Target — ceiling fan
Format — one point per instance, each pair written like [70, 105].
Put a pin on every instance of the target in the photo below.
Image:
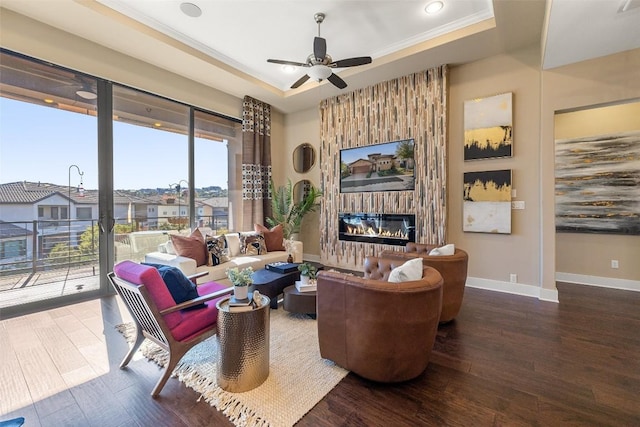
[320, 64]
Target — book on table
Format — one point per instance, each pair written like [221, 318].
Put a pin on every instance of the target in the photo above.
[245, 302]
[240, 308]
[282, 267]
[311, 287]
[236, 305]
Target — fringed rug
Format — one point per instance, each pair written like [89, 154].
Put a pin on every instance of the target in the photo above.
[298, 377]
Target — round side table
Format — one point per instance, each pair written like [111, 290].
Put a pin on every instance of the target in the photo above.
[243, 347]
[299, 302]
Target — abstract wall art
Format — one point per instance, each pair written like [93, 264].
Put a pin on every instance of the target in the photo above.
[598, 183]
[487, 202]
[488, 127]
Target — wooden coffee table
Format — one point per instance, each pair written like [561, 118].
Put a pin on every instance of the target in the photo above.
[299, 302]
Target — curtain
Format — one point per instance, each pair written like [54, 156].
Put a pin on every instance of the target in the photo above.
[256, 162]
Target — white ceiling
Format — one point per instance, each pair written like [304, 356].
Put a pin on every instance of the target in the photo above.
[245, 34]
[228, 45]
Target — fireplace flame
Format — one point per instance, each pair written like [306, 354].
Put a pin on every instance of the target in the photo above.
[370, 231]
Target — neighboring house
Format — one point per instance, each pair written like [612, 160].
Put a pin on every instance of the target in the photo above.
[15, 243]
[59, 214]
[376, 162]
[382, 162]
[215, 212]
[138, 211]
[361, 166]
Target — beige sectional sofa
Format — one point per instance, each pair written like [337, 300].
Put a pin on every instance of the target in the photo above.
[217, 273]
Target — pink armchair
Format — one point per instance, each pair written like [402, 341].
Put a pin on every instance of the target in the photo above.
[157, 316]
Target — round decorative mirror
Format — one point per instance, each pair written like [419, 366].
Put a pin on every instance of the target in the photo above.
[304, 157]
[300, 190]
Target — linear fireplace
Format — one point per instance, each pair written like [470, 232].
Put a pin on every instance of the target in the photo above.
[384, 229]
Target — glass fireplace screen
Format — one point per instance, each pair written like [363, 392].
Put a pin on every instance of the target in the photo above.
[385, 229]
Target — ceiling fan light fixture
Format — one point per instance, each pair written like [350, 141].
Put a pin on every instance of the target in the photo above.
[434, 7]
[319, 72]
[86, 94]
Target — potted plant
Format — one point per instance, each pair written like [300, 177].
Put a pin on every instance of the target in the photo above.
[287, 211]
[307, 272]
[241, 279]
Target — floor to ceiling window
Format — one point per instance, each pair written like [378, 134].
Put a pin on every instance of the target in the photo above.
[150, 171]
[170, 172]
[48, 182]
[217, 145]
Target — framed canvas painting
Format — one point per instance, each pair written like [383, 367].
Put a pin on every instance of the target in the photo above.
[598, 170]
[488, 127]
[487, 202]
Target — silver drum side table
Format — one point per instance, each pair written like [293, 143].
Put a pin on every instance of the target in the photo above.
[243, 347]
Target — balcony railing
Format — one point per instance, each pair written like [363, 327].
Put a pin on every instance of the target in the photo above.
[53, 251]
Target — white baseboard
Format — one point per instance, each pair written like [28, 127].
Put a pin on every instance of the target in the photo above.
[604, 282]
[543, 294]
[550, 295]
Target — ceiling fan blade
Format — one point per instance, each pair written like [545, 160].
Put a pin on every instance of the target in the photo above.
[351, 62]
[300, 81]
[319, 48]
[283, 62]
[337, 81]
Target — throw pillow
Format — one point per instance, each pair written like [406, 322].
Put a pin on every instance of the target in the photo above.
[449, 249]
[191, 247]
[233, 243]
[410, 270]
[252, 244]
[216, 250]
[180, 287]
[273, 238]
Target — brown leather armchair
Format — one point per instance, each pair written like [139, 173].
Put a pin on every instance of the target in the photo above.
[453, 269]
[379, 330]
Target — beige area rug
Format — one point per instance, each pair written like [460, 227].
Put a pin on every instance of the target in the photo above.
[298, 377]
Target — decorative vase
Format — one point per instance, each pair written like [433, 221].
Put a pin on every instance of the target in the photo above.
[290, 259]
[304, 279]
[240, 292]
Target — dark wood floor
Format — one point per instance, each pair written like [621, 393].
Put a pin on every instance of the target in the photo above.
[506, 360]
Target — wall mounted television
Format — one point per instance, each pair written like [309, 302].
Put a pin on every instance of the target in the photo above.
[389, 166]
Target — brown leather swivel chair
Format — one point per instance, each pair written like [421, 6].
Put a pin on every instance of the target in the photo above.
[453, 269]
[379, 330]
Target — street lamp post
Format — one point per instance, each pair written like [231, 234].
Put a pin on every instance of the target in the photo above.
[81, 191]
[178, 188]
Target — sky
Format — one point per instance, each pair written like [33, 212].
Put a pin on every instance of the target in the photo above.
[41, 144]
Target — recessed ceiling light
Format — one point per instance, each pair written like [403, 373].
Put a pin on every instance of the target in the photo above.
[434, 7]
[48, 101]
[288, 69]
[190, 9]
[157, 124]
[86, 94]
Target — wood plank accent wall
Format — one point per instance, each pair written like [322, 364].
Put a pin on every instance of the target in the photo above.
[413, 106]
